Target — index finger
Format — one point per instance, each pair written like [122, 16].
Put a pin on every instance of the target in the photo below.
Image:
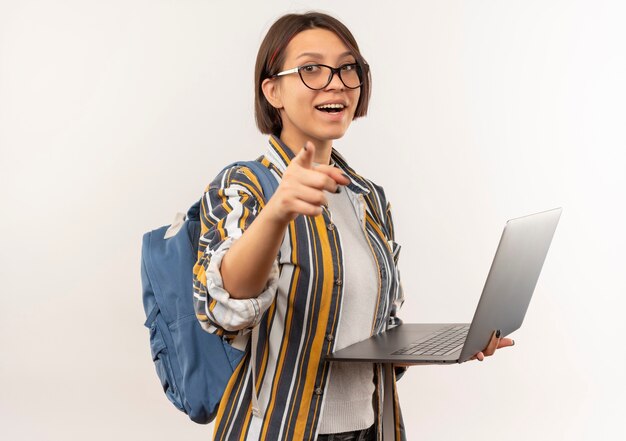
[304, 158]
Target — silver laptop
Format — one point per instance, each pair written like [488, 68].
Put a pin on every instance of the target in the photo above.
[510, 284]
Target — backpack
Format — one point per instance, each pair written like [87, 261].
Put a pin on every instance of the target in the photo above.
[193, 365]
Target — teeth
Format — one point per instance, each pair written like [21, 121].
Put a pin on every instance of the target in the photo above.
[331, 106]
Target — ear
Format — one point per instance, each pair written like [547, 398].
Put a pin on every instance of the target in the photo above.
[271, 90]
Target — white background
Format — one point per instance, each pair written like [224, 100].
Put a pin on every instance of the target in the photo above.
[115, 115]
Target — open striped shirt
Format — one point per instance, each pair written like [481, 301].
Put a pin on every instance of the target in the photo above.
[298, 311]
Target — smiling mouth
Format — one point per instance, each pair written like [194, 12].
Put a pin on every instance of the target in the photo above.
[331, 108]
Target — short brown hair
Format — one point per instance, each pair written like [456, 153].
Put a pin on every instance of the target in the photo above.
[271, 57]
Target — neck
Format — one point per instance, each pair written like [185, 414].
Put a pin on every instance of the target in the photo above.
[323, 148]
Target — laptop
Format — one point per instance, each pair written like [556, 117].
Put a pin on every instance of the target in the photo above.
[505, 298]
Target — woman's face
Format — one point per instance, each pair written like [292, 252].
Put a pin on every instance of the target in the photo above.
[299, 106]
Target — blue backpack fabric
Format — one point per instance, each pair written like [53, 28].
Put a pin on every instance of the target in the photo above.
[193, 365]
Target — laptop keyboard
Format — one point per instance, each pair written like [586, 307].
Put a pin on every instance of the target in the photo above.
[441, 342]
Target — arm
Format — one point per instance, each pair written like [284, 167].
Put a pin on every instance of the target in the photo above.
[229, 207]
[301, 191]
[258, 249]
[236, 276]
[394, 320]
[395, 252]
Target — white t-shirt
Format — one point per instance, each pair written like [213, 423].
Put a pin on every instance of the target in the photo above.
[348, 403]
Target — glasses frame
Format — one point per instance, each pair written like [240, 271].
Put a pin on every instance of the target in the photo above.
[333, 71]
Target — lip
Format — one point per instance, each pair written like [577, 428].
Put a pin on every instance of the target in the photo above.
[336, 116]
[333, 117]
[345, 104]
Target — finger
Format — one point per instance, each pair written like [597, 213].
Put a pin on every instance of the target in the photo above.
[334, 173]
[478, 356]
[505, 342]
[305, 156]
[311, 196]
[317, 180]
[302, 207]
[493, 343]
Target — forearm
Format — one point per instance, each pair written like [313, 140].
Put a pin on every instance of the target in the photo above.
[247, 264]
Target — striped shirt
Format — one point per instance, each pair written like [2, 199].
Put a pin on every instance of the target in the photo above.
[299, 309]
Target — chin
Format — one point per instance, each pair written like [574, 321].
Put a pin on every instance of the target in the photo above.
[334, 134]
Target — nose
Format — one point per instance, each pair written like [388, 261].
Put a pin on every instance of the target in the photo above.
[335, 82]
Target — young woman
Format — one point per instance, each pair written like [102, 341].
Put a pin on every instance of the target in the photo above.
[315, 267]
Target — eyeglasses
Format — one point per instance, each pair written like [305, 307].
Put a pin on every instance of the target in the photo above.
[318, 76]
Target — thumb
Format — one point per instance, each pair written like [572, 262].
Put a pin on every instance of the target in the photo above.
[305, 155]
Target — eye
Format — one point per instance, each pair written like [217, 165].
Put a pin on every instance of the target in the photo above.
[348, 67]
[310, 68]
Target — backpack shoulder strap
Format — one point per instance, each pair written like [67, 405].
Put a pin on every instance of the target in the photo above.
[268, 182]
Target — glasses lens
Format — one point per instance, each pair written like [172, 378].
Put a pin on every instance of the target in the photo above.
[317, 77]
[351, 75]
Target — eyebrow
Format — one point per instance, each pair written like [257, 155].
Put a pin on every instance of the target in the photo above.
[318, 55]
